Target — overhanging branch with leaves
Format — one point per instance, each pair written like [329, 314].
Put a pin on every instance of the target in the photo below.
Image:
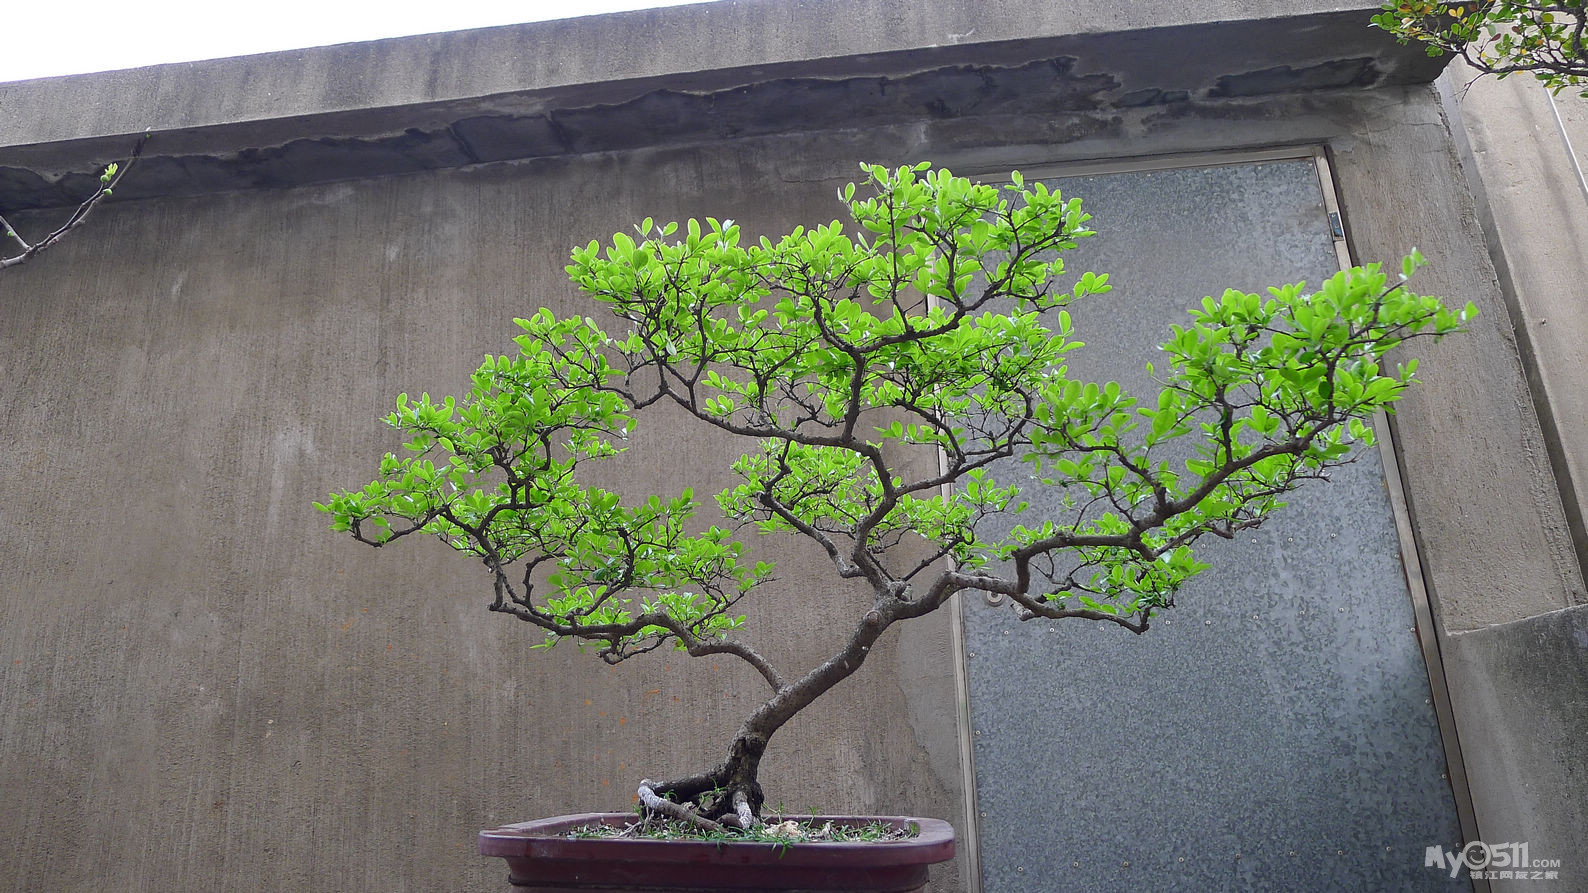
[1500, 37]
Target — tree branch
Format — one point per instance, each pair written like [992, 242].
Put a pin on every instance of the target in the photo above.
[107, 184]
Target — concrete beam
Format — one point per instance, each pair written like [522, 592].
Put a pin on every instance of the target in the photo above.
[706, 73]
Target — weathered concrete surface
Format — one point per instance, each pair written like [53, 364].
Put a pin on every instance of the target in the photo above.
[415, 104]
[1521, 689]
[205, 690]
[1534, 212]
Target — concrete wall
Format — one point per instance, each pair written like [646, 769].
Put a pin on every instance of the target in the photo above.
[1516, 144]
[201, 689]
[238, 700]
[1518, 685]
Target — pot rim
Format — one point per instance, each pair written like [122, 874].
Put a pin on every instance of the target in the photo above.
[546, 839]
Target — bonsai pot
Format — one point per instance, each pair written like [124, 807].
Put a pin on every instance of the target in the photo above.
[542, 858]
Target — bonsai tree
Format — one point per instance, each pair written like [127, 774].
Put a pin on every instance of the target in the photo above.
[889, 377]
[1500, 37]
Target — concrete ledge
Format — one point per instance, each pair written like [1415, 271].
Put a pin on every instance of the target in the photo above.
[580, 86]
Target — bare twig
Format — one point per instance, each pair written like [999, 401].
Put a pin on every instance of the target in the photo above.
[107, 184]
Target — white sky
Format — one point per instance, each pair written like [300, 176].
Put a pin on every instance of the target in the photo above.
[44, 39]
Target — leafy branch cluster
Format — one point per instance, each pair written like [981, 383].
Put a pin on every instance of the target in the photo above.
[627, 577]
[1500, 37]
[886, 372]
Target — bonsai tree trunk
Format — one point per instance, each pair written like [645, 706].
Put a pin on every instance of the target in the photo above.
[733, 787]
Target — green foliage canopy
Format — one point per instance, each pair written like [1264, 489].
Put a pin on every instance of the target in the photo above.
[1500, 37]
[932, 322]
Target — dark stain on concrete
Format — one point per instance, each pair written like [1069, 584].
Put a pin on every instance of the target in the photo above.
[1077, 103]
[664, 116]
[506, 137]
[329, 158]
[1334, 75]
[1151, 96]
[22, 189]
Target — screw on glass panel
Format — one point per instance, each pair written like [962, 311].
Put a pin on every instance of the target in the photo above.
[1075, 865]
[1182, 859]
[993, 598]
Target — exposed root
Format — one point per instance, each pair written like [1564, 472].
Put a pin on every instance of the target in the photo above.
[776, 830]
[741, 807]
[666, 807]
[712, 806]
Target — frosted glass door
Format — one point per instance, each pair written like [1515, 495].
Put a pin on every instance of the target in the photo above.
[1274, 731]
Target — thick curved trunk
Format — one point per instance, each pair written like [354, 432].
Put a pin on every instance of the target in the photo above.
[716, 794]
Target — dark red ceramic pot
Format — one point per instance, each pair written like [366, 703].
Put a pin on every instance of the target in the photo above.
[541, 858]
